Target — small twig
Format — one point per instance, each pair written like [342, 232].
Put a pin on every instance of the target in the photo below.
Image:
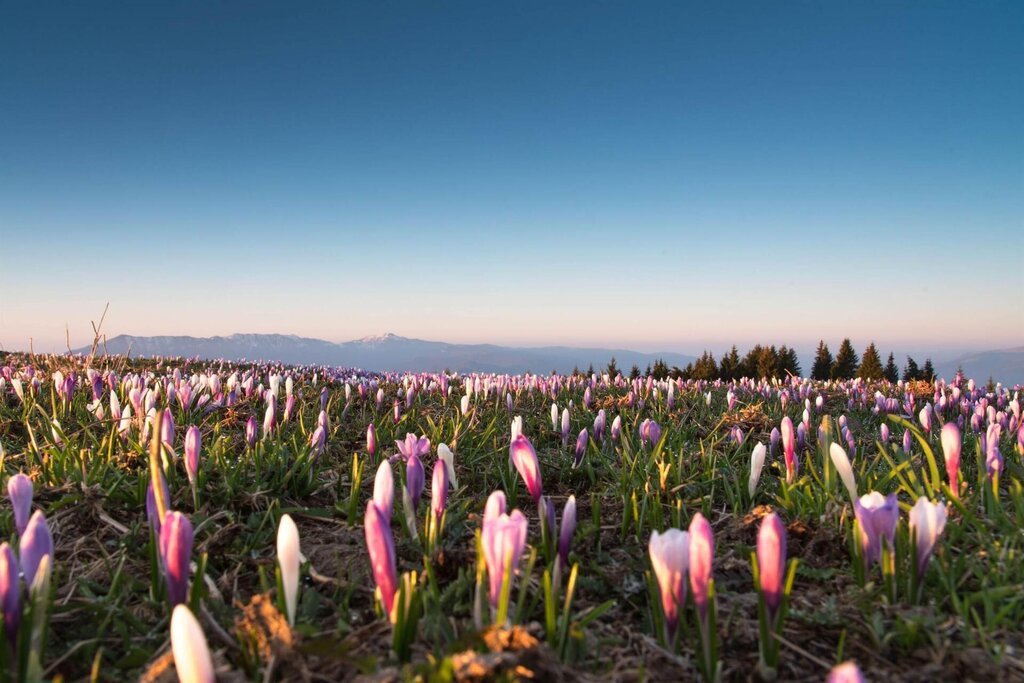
[805, 653]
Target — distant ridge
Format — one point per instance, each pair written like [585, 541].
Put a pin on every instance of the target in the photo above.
[387, 352]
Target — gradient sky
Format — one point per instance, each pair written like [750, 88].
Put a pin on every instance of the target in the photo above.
[656, 175]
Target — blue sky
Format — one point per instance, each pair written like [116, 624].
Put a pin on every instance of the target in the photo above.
[658, 175]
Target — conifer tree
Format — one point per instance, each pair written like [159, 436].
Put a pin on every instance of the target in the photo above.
[911, 373]
[871, 364]
[790, 362]
[822, 362]
[928, 371]
[845, 365]
[891, 372]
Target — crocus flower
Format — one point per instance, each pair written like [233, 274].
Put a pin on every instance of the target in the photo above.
[927, 520]
[756, 463]
[517, 427]
[599, 424]
[381, 546]
[384, 490]
[650, 433]
[371, 439]
[445, 455]
[525, 460]
[907, 441]
[877, 516]
[413, 446]
[951, 446]
[702, 554]
[438, 489]
[250, 431]
[464, 405]
[554, 417]
[35, 544]
[883, 432]
[19, 489]
[670, 560]
[318, 440]
[925, 417]
[415, 479]
[10, 592]
[616, 427]
[789, 450]
[495, 506]
[188, 645]
[847, 672]
[193, 443]
[270, 418]
[565, 531]
[993, 457]
[581, 447]
[843, 467]
[774, 441]
[176, 551]
[565, 426]
[504, 538]
[771, 561]
[288, 560]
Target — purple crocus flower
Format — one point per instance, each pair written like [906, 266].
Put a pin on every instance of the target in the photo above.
[884, 433]
[907, 440]
[19, 488]
[599, 424]
[415, 479]
[993, 456]
[384, 490]
[176, 538]
[565, 531]
[10, 592]
[616, 427]
[877, 516]
[650, 433]
[670, 560]
[438, 489]
[250, 431]
[581, 447]
[35, 544]
[847, 672]
[774, 441]
[413, 446]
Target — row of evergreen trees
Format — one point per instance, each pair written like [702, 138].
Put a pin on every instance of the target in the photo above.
[846, 365]
[781, 362]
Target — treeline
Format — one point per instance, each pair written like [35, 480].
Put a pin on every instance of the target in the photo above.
[782, 362]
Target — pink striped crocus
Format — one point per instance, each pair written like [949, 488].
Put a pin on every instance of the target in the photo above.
[504, 539]
[380, 545]
[952, 443]
[193, 443]
[176, 539]
[702, 555]
[524, 457]
[771, 561]
[789, 449]
[670, 560]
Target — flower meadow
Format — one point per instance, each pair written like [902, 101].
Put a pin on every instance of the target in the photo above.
[176, 519]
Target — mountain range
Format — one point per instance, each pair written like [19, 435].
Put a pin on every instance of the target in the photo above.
[387, 352]
[392, 352]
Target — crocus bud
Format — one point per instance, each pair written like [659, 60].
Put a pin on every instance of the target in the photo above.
[565, 531]
[464, 406]
[250, 432]
[10, 592]
[176, 551]
[581, 447]
[771, 560]
[844, 468]
[847, 672]
[993, 456]
[384, 490]
[19, 489]
[670, 560]
[445, 455]
[524, 457]
[756, 463]
[774, 440]
[438, 489]
[927, 520]
[907, 440]
[554, 417]
[951, 446]
[188, 645]
[789, 450]
[616, 427]
[193, 441]
[371, 439]
[415, 479]
[495, 505]
[380, 545]
[884, 433]
[503, 538]
[35, 544]
[702, 554]
[288, 561]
